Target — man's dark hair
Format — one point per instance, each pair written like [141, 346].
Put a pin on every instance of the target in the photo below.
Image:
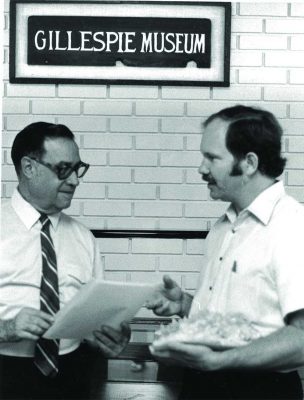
[30, 141]
[253, 130]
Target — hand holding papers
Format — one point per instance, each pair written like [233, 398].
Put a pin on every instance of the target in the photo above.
[99, 303]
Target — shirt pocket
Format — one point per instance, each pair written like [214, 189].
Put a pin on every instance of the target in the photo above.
[75, 277]
[244, 289]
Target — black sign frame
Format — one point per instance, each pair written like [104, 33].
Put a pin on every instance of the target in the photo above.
[49, 73]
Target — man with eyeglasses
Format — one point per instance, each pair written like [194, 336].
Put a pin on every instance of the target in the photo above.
[48, 166]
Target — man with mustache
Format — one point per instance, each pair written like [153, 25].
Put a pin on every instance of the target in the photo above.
[43, 247]
[254, 267]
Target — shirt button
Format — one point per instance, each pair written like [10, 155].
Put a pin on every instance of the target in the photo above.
[221, 258]
[233, 230]
[210, 287]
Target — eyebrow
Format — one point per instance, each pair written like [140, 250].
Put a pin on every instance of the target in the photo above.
[208, 154]
[67, 163]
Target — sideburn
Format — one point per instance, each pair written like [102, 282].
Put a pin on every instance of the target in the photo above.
[236, 168]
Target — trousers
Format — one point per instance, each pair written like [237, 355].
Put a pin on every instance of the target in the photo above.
[242, 385]
[78, 372]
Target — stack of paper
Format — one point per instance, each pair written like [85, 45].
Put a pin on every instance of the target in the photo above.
[99, 303]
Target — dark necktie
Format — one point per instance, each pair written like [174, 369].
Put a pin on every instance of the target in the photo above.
[46, 351]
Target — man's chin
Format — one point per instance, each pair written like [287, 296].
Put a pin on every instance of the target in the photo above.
[214, 194]
[63, 204]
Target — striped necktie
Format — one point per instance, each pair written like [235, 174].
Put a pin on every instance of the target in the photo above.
[46, 350]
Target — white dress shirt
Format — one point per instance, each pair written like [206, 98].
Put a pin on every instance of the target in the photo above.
[256, 262]
[78, 261]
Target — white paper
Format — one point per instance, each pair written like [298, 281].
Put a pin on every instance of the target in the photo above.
[99, 303]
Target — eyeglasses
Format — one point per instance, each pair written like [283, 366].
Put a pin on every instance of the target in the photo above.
[64, 170]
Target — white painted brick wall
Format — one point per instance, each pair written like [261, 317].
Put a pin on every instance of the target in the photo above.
[181, 125]
[106, 208]
[284, 59]
[193, 176]
[132, 262]
[296, 192]
[188, 263]
[275, 93]
[84, 124]
[133, 92]
[297, 110]
[119, 246]
[293, 126]
[182, 223]
[131, 191]
[143, 141]
[195, 246]
[237, 93]
[297, 9]
[210, 208]
[89, 190]
[105, 107]
[295, 161]
[263, 41]
[158, 209]
[193, 141]
[157, 246]
[56, 107]
[8, 173]
[94, 157]
[296, 178]
[263, 75]
[190, 281]
[173, 92]
[246, 58]
[119, 124]
[297, 42]
[286, 25]
[17, 122]
[180, 159]
[16, 106]
[107, 141]
[297, 76]
[133, 158]
[158, 175]
[28, 91]
[296, 144]
[240, 25]
[159, 142]
[263, 9]
[132, 223]
[183, 192]
[75, 208]
[108, 174]
[163, 108]
[82, 91]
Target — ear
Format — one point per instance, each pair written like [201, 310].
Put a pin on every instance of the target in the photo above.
[251, 163]
[27, 167]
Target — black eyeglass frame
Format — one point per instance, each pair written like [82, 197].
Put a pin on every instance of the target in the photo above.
[64, 172]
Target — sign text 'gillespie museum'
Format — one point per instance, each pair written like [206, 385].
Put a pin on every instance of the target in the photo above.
[149, 42]
[129, 42]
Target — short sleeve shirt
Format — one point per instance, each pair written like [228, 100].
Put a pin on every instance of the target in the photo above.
[255, 263]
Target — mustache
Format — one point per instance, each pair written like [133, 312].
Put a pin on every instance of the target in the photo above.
[208, 178]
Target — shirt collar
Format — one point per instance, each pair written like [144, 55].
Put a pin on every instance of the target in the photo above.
[263, 205]
[28, 214]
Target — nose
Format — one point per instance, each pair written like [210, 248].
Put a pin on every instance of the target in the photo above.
[203, 168]
[73, 179]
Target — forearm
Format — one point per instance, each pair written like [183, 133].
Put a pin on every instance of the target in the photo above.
[186, 302]
[7, 330]
[281, 350]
